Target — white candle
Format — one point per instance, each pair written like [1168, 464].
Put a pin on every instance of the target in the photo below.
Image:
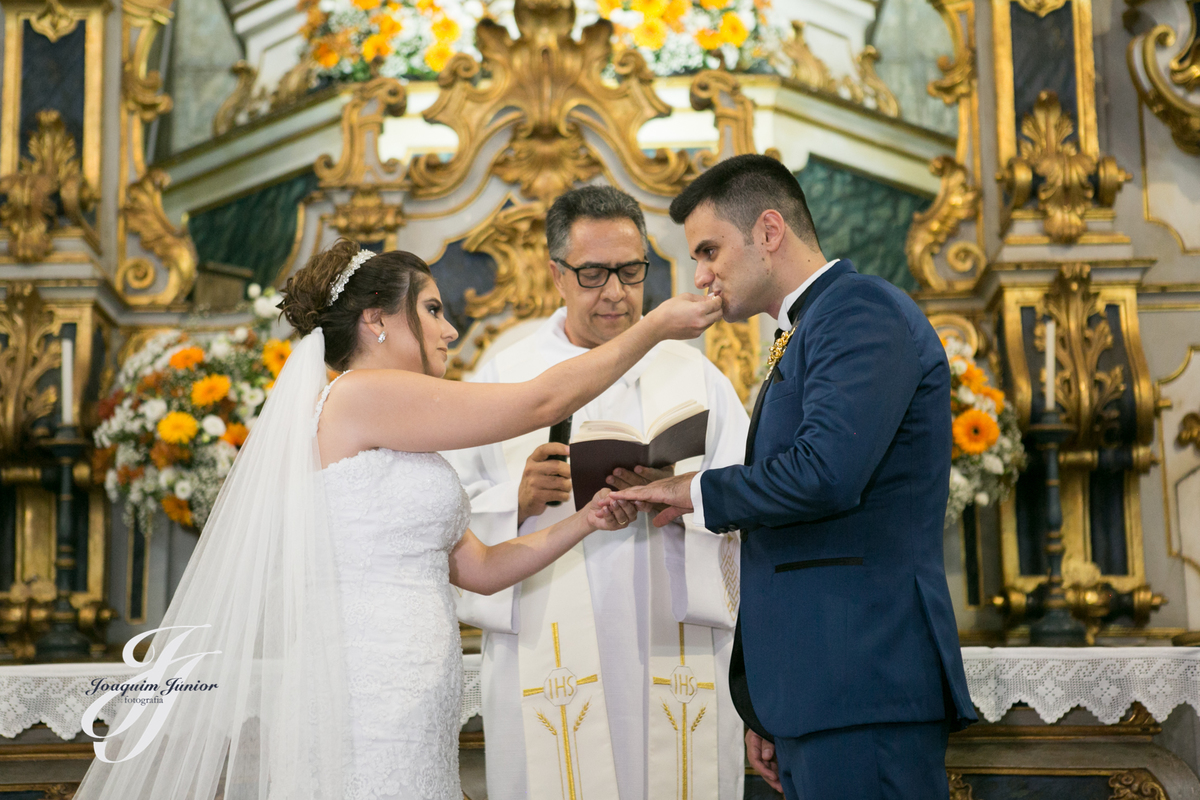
[68, 382]
[1051, 351]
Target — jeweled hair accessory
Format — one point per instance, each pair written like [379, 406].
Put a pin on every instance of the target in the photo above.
[359, 259]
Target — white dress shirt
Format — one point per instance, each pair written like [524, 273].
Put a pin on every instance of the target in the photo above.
[784, 324]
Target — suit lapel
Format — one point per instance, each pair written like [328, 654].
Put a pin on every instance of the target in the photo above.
[795, 314]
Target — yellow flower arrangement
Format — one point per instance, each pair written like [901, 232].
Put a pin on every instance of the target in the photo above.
[438, 55]
[652, 33]
[986, 452]
[179, 412]
[733, 31]
[210, 389]
[178, 427]
[275, 353]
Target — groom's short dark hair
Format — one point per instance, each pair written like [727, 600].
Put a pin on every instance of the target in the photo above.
[742, 188]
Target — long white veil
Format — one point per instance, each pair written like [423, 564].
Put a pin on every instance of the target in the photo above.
[263, 579]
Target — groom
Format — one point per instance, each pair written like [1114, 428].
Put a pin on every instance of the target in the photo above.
[846, 664]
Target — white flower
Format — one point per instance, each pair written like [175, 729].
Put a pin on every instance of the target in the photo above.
[992, 464]
[240, 333]
[154, 409]
[127, 455]
[982, 499]
[110, 484]
[252, 398]
[958, 366]
[183, 488]
[253, 291]
[966, 396]
[167, 477]
[958, 481]
[249, 422]
[220, 347]
[224, 453]
[267, 307]
[213, 425]
[135, 493]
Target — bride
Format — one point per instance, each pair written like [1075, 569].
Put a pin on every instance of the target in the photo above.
[318, 605]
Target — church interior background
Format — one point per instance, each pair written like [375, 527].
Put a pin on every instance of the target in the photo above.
[165, 166]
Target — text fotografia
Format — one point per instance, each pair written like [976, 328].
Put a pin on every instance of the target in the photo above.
[171, 685]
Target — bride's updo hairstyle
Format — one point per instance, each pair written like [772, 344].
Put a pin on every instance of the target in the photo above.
[389, 281]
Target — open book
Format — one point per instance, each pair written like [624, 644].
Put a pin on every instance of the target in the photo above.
[601, 446]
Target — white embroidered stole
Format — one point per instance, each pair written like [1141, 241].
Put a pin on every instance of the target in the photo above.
[568, 745]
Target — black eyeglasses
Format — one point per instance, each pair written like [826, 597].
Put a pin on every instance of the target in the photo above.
[594, 277]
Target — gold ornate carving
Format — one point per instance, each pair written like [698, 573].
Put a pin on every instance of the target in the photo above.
[365, 217]
[1086, 394]
[515, 237]
[958, 73]
[54, 21]
[720, 92]
[1136, 784]
[140, 209]
[30, 210]
[959, 788]
[1189, 430]
[734, 348]
[242, 99]
[811, 72]
[1066, 192]
[1181, 116]
[807, 69]
[1042, 7]
[145, 218]
[872, 85]
[29, 354]
[294, 85]
[957, 200]
[362, 123]
[547, 88]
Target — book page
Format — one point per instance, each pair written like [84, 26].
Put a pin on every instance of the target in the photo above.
[671, 416]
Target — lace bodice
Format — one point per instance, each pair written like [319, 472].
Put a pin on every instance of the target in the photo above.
[395, 517]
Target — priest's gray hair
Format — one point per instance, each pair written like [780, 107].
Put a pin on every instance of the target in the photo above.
[590, 202]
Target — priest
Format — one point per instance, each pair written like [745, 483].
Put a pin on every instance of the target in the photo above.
[606, 675]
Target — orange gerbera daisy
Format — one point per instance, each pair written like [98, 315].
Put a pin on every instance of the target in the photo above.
[178, 427]
[275, 353]
[651, 34]
[235, 434]
[445, 29]
[975, 431]
[210, 389]
[708, 40]
[375, 46]
[187, 358]
[974, 378]
[996, 395]
[437, 55]
[388, 25]
[733, 30]
[177, 509]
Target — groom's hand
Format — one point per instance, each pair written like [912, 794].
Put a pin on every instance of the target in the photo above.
[674, 493]
[762, 757]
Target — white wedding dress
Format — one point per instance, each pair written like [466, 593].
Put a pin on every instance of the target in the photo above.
[394, 518]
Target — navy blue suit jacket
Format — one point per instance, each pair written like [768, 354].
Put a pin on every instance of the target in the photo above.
[845, 614]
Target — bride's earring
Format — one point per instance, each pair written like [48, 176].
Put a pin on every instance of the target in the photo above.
[382, 336]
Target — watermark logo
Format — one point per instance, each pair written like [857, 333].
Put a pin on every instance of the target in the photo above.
[152, 691]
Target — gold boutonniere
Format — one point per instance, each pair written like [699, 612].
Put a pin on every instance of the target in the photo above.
[777, 349]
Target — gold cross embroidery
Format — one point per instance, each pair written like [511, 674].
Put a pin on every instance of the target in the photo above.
[559, 690]
[684, 686]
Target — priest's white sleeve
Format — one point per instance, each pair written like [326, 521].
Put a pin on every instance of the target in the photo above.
[703, 566]
[493, 497]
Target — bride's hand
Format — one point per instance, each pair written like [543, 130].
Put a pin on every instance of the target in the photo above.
[685, 316]
[613, 516]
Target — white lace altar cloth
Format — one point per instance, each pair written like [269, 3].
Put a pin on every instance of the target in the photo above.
[56, 694]
[1104, 680]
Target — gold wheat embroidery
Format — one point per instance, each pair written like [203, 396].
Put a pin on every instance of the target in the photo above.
[582, 713]
[546, 722]
[699, 717]
[670, 716]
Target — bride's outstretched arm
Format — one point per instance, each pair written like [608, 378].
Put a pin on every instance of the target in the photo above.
[403, 410]
[476, 567]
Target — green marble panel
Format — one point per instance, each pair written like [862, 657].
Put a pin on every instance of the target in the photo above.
[256, 230]
[862, 219]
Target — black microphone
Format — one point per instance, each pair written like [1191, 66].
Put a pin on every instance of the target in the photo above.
[560, 433]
